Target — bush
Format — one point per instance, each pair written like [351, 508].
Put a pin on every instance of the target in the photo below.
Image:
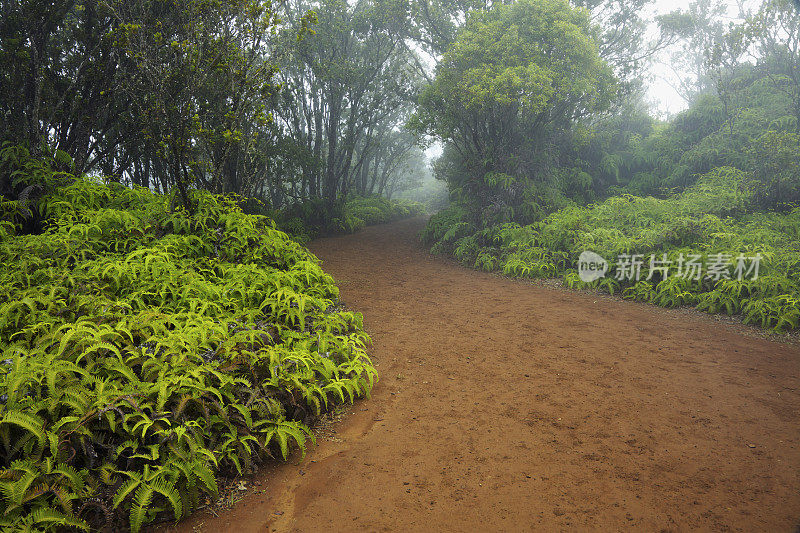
[711, 216]
[313, 218]
[776, 170]
[380, 210]
[443, 223]
[147, 351]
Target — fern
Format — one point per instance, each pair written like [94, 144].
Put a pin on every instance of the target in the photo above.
[143, 361]
[47, 517]
[707, 215]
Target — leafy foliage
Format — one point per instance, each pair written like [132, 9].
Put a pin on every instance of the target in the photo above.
[712, 216]
[380, 210]
[511, 86]
[312, 218]
[145, 351]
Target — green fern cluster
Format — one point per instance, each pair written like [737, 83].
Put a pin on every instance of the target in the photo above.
[380, 210]
[147, 350]
[314, 217]
[444, 226]
[708, 218]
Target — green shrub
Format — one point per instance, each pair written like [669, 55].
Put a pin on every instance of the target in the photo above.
[316, 217]
[709, 217]
[442, 222]
[146, 351]
[380, 210]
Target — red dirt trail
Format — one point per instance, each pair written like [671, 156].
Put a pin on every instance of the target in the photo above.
[508, 406]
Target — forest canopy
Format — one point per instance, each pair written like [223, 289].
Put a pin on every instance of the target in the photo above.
[281, 102]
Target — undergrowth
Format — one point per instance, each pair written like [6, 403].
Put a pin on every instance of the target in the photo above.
[313, 218]
[714, 216]
[146, 351]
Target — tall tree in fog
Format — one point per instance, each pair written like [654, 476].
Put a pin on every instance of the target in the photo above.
[346, 88]
[517, 77]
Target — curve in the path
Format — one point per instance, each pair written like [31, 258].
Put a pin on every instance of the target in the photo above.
[508, 406]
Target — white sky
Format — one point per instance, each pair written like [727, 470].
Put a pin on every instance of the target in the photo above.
[664, 99]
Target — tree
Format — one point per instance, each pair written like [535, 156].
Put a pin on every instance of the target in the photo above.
[621, 33]
[345, 88]
[517, 77]
[700, 27]
[161, 94]
[776, 32]
[57, 66]
[434, 24]
[723, 63]
[195, 71]
[775, 161]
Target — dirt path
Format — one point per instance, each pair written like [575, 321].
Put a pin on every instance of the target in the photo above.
[507, 406]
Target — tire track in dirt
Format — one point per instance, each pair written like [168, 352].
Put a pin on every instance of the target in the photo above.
[504, 405]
